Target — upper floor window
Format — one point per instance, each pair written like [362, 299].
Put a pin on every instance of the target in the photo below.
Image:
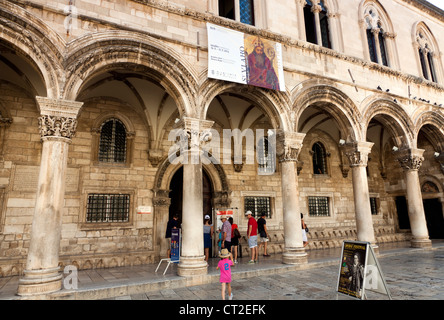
[112, 145]
[426, 54]
[239, 10]
[378, 33]
[317, 28]
[375, 37]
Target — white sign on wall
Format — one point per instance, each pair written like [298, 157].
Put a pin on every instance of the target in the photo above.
[248, 59]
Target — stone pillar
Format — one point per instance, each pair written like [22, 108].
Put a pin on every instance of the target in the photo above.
[161, 203]
[289, 145]
[192, 259]
[316, 9]
[357, 154]
[57, 126]
[411, 160]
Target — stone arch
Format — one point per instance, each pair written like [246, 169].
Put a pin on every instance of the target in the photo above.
[336, 103]
[392, 116]
[36, 42]
[273, 103]
[432, 123]
[109, 50]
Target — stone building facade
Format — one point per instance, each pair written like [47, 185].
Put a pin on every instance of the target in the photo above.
[90, 91]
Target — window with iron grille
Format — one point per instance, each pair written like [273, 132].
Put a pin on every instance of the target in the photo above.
[108, 207]
[374, 205]
[258, 205]
[112, 147]
[266, 156]
[318, 207]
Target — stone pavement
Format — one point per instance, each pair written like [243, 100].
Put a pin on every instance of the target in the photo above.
[411, 274]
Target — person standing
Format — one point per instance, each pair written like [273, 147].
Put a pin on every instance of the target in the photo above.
[226, 233]
[252, 236]
[235, 235]
[263, 233]
[304, 231]
[208, 235]
[224, 266]
[172, 224]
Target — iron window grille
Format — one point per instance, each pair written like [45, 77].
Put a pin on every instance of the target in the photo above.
[112, 147]
[258, 205]
[108, 207]
[318, 207]
[374, 205]
[266, 156]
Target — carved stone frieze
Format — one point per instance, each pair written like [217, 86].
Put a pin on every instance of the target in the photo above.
[357, 153]
[410, 159]
[288, 145]
[52, 126]
[58, 117]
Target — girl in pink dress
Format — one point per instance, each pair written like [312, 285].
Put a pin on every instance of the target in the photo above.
[224, 266]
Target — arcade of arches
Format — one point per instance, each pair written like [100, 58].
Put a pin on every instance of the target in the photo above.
[85, 137]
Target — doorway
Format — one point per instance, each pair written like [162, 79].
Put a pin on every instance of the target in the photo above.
[176, 195]
[434, 216]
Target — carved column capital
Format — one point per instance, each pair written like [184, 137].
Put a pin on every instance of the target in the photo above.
[58, 118]
[288, 145]
[410, 159]
[357, 153]
[196, 131]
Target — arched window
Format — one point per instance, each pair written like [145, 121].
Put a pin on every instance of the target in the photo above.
[112, 145]
[426, 53]
[241, 10]
[319, 158]
[317, 29]
[375, 37]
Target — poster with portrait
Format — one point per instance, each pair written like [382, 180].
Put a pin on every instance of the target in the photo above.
[352, 268]
[248, 59]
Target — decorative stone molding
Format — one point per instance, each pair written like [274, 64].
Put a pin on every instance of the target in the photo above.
[357, 153]
[288, 145]
[58, 117]
[410, 159]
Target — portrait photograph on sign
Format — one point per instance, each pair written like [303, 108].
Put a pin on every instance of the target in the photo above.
[264, 63]
[242, 58]
[352, 269]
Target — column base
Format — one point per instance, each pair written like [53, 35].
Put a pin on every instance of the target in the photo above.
[421, 243]
[192, 266]
[37, 282]
[294, 256]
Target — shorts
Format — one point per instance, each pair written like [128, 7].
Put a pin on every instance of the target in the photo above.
[252, 241]
[264, 239]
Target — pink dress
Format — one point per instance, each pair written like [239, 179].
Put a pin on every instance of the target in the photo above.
[225, 270]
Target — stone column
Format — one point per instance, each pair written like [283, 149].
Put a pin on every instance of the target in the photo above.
[57, 126]
[411, 160]
[316, 9]
[289, 145]
[192, 259]
[161, 203]
[357, 154]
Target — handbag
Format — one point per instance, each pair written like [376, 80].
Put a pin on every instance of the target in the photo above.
[306, 228]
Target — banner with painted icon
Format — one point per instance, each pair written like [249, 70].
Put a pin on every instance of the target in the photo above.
[242, 58]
